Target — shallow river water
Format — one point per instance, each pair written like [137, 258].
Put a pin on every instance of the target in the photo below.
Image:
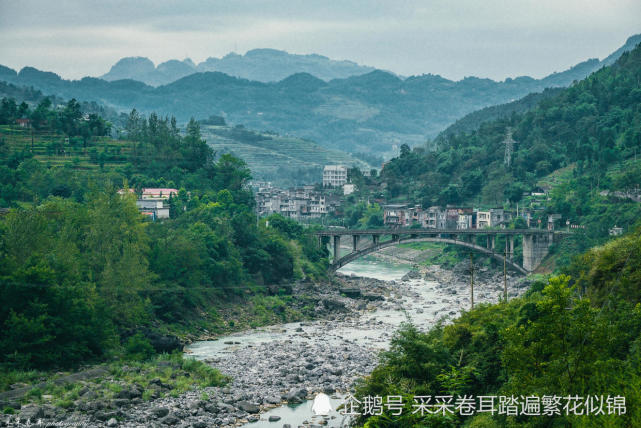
[421, 301]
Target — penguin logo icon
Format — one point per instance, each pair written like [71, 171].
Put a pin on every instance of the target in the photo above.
[321, 405]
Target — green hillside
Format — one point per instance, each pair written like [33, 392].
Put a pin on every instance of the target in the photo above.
[283, 160]
[580, 145]
[374, 112]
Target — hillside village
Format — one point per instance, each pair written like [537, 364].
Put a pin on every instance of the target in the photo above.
[326, 200]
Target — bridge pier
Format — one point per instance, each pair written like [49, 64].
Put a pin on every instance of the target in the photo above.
[337, 247]
[375, 239]
[535, 248]
[355, 239]
[511, 249]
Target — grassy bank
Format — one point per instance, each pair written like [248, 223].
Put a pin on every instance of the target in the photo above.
[129, 378]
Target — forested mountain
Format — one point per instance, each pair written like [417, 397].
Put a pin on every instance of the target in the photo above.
[572, 335]
[261, 65]
[592, 131]
[375, 112]
[472, 121]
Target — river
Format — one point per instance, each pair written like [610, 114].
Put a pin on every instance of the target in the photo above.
[294, 362]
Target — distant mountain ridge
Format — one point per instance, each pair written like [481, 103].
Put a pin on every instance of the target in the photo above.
[371, 113]
[261, 65]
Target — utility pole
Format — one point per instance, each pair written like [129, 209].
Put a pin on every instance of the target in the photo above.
[471, 280]
[505, 273]
[509, 147]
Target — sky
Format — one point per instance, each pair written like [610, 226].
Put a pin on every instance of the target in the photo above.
[453, 38]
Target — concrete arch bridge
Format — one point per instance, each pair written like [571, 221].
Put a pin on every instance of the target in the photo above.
[536, 243]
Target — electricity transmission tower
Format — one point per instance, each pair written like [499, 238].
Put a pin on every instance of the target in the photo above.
[509, 147]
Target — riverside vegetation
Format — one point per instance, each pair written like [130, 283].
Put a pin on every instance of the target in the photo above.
[84, 279]
[574, 333]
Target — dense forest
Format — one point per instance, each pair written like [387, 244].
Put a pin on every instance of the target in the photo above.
[81, 271]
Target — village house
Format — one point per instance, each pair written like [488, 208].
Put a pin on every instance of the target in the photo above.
[334, 175]
[158, 193]
[153, 201]
[433, 218]
[490, 218]
[296, 203]
[154, 208]
[395, 215]
[24, 122]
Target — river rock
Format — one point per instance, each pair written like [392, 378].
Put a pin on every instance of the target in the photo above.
[112, 422]
[170, 420]
[274, 418]
[413, 274]
[351, 292]
[32, 412]
[160, 412]
[248, 407]
[296, 395]
[271, 399]
[163, 343]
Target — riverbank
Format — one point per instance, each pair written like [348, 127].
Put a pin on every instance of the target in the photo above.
[291, 362]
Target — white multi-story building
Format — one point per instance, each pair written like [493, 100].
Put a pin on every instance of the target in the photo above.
[334, 175]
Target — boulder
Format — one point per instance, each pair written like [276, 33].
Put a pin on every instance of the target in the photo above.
[248, 407]
[351, 292]
[271, 399]
[163, 343]
[170, 420]
[160, 412]
[32, 412]
[296, 395]
[334, 305]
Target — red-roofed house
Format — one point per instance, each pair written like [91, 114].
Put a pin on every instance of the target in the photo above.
[158, 193]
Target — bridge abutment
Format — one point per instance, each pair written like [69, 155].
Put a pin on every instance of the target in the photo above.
[535, 248]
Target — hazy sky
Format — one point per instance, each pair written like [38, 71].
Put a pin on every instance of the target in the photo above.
[454, 38]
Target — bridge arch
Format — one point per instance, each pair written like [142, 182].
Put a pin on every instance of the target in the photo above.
[337, 264]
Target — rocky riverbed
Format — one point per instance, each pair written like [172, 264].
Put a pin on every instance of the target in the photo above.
[291, 363]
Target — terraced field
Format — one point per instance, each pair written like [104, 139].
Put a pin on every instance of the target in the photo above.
[280, 159]
[285, 161]
[57, 150]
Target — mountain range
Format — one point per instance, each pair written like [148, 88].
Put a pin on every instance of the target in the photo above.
[261, 65]
[374, 112]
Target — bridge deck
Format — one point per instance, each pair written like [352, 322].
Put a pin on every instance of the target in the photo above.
[351, 232]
